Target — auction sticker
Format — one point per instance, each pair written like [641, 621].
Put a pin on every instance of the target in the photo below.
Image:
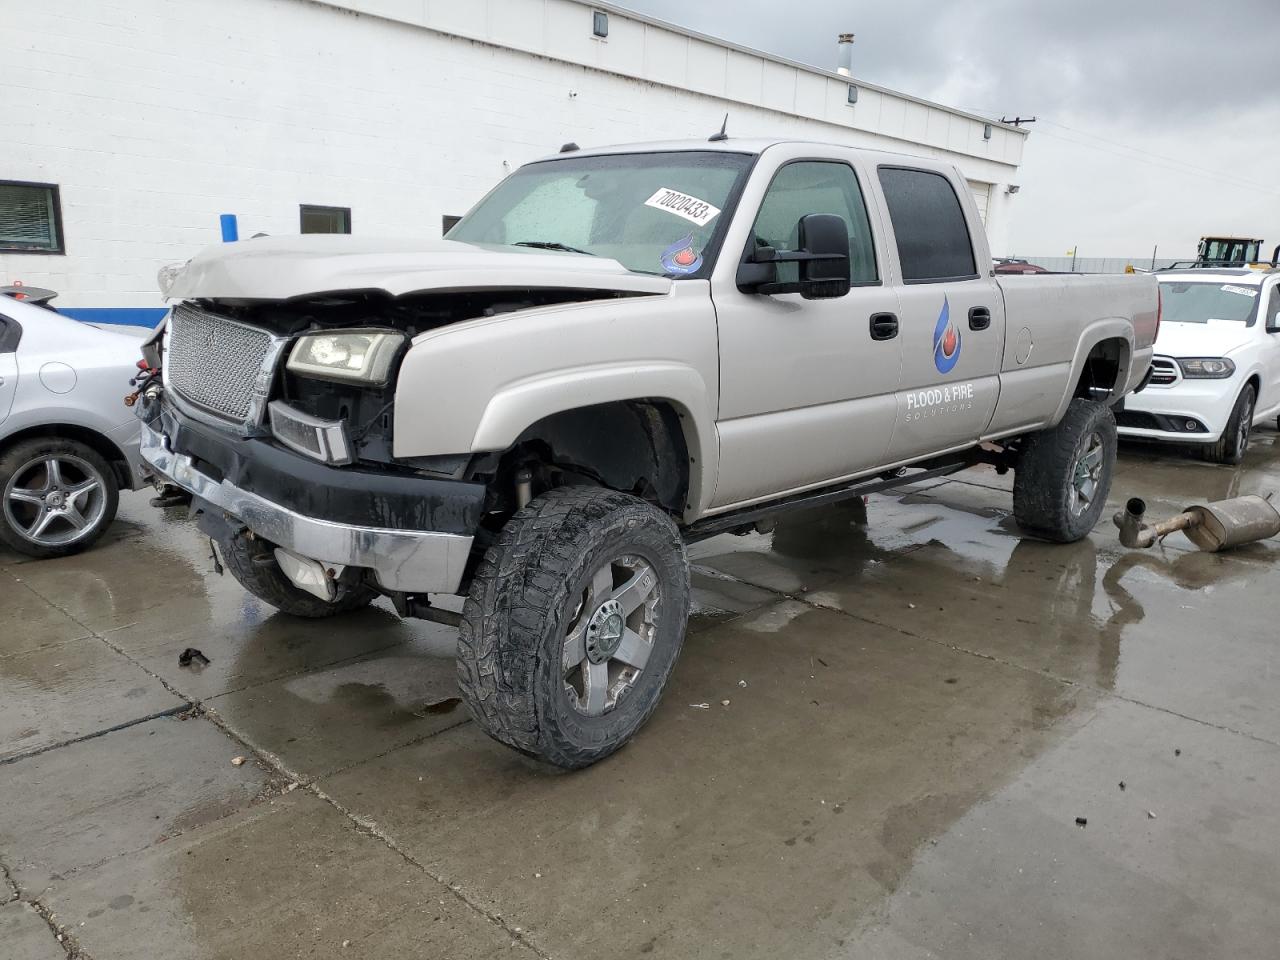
[1243, 291]
[682, 205]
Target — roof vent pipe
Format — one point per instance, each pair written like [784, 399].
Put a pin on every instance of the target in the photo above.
[845, 46]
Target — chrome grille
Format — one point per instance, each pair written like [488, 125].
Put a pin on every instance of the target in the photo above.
[215, 362]
[1163, 371]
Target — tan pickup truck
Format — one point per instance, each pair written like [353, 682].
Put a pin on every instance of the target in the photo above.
[615, 352]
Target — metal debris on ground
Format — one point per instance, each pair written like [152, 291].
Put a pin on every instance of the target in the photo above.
[1211, 527]
[742, 683]
[724, 703]
[700, 706]
[1082, 821]
[1150, 815]
[191, 655]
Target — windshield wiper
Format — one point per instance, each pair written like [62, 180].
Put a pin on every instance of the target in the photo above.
[551, 245]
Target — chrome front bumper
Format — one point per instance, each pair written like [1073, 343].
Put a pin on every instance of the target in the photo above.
[415, 561]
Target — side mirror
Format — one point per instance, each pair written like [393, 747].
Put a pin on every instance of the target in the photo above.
[825, 237]
[823, 260]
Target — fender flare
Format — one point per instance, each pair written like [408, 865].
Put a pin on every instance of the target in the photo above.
[523, 403]
[1110, 328]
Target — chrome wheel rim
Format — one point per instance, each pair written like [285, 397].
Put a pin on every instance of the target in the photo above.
[1086, 474]
[613, 626]
[55, 500]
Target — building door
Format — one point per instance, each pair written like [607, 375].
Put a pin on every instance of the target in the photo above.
[806, 386]
[981, 197]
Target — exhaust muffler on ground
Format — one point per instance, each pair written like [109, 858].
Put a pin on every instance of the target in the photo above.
[1211, 527]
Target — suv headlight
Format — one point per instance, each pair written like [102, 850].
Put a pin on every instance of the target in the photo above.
[1207, 368]
[361, 356]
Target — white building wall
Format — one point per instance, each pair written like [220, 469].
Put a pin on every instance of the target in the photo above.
[155, 116]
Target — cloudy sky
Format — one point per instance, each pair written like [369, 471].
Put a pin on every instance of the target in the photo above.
[1159, 119]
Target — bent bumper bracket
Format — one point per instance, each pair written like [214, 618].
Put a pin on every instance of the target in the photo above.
[414, 561]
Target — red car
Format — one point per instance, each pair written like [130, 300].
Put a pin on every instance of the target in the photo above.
[1018, 266]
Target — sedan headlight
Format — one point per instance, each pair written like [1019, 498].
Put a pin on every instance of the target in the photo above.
[167, 276]
[362, 356]
[1207, 368]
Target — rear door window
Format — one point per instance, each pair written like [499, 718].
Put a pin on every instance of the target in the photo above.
[928, 222]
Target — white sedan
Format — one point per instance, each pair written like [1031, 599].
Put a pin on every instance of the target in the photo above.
[1216, 369]
[68, 444]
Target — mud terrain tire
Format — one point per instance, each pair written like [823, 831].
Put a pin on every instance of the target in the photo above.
[537, 588]
[1058, 466]
[252, 562]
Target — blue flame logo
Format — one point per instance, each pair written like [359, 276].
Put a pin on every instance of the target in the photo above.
[681, 258]
[946, 341]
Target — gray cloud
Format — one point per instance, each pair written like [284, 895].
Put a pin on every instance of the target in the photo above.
[1160, 121]
[1136, 60]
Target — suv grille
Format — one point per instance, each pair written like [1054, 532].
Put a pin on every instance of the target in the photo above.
[214, 362]
[1163, 371]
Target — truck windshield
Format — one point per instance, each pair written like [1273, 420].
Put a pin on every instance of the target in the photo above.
[1202, 302]
[659, 213]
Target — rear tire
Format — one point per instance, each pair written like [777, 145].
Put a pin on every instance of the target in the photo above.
[1231, 446]
[1064, 474]
[57, 496]
[575, 619]
[252, 562]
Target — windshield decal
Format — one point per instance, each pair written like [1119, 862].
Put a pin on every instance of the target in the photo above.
[682, 205]
[680, 258]
[1243, 291]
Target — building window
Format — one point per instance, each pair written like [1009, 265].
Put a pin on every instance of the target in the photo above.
[447, 223]
[600, 25]
[325, 219]
[30, 218]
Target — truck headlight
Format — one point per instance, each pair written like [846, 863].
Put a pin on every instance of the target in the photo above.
[1207, 368]
[362, 356]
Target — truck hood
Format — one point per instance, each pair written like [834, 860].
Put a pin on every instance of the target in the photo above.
[1216, 338]
[281, 268]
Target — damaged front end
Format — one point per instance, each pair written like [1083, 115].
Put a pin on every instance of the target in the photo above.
[275, 420]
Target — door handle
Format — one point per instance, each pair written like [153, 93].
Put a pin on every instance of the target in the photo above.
[979, 318]
[884, 326]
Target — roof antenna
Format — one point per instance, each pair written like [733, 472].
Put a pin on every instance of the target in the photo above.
[721, 136]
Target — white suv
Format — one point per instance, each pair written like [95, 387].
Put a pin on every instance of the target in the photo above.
[1216, 370]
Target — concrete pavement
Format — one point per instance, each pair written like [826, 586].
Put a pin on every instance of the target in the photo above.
[920, 708]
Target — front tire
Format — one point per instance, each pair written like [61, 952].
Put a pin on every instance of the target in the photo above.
[252, 562]
[57, 496]
[1231, 446]
[574, 621]
[1063, 474]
